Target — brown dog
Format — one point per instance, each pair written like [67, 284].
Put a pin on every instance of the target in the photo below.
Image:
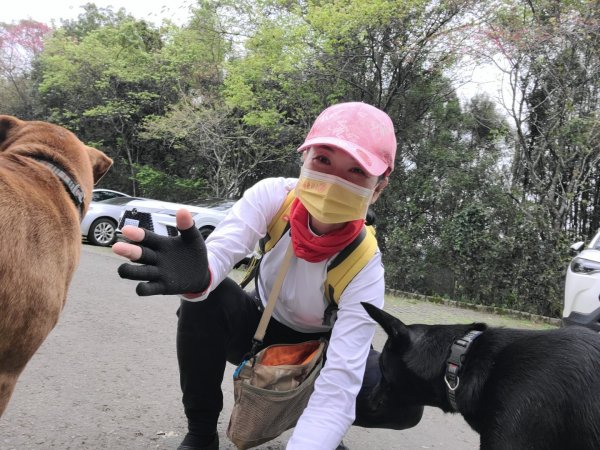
[46, 181]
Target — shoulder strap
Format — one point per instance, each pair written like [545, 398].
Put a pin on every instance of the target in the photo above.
[348, 263]
[280, 223]
[276, 228]
[268, 311]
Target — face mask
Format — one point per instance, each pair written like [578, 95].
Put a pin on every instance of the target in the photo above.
[331, 199]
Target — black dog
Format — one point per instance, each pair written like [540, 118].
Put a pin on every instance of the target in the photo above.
[518, 389]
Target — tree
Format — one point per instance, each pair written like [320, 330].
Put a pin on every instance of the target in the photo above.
[20, 44]
[551, 54]
[301, 57]
[105, 83]
[91, 19]
[204, 138]
[446, 228]
[304, 56]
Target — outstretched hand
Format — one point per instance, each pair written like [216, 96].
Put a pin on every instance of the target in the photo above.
[166, 265]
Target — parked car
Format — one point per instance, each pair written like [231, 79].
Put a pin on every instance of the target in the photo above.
[99, 195]
[159, 217]
[99, 225]
[582, 286]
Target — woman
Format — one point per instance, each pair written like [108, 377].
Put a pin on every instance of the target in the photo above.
[347, 157]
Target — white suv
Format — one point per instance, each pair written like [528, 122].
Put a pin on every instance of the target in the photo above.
[159, 217]
[582, 286]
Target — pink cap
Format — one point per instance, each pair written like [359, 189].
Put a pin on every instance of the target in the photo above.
[361, 130]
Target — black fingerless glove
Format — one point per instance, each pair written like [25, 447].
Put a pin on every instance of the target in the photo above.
[170, 265]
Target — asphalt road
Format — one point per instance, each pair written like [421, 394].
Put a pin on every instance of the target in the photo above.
[106, 377]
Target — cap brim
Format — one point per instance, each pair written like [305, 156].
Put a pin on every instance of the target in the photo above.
[372, 164]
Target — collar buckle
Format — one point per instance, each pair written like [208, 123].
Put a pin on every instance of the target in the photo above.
[454, 363]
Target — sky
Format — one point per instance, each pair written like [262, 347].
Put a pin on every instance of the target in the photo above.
[484, 79]
[46, 10]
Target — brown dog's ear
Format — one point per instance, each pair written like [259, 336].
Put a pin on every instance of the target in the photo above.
[391, 325]
[6, 123]
[100, 163]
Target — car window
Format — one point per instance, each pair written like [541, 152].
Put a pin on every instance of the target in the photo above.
[102, 195]
[119, 200]
[223, 206]
[216, 204]
[99, 196]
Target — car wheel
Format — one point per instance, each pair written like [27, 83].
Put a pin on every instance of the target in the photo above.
[205, 231]
[103, 232]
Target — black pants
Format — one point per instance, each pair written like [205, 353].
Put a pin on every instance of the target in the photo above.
[220, 329]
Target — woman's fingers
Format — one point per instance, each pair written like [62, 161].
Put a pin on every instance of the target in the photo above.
[132, 233]
[130, 251]
[184, 219]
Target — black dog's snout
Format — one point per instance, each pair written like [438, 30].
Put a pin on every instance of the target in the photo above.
[377, 398]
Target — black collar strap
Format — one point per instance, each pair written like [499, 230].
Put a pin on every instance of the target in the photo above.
[458, 351]
[71, 186]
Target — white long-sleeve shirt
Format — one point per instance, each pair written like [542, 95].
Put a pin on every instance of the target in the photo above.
[301, 306]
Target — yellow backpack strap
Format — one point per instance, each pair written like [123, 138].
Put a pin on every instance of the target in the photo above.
[348, 263]
[276, 228]
[280, 223]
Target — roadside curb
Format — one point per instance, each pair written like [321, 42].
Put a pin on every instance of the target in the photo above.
[536, 318]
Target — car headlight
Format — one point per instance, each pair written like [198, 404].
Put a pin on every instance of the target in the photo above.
[585, 266]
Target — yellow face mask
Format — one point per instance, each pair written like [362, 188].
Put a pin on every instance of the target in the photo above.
[331, 199]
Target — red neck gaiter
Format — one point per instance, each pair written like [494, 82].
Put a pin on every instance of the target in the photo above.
[313, 248]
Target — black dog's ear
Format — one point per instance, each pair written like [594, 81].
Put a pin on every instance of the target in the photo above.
[390, 324]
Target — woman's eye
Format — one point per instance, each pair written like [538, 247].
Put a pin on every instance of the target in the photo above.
[322, 159]
[358, 171]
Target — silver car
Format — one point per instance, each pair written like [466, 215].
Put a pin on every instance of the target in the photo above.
[99, 225]
[159, 216]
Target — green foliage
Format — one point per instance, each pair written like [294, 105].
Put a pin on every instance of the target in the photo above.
[100, 77]
[154, 183]
[212, 142]
[91, 19]
[268, 84]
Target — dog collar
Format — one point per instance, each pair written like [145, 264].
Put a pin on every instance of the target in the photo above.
[73, 188]
[458, 351]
